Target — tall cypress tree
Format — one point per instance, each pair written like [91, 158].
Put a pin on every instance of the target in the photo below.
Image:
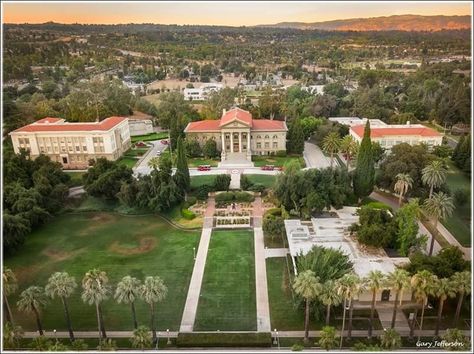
[295, 143]
[182, 179]
[364, 174]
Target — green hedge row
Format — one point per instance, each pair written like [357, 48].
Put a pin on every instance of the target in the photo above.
[197, 339]
[235, 197]
[188, 214]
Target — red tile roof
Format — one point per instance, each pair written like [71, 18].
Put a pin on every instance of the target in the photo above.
[416, 130]
[54, 125]
[238, 114]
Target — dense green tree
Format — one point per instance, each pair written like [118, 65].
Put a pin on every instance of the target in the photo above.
[295, 138]
[181, 177]
[210, 149]
[217, 102]
[375, 227]
[390, 339]
[364, 173]
[454, 335]
[141, 338]
[406, 220]
[448, 261]
[328, 338]
[309, 125]
[222, 182]
[193, 148]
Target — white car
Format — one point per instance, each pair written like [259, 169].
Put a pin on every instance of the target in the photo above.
[158, 153]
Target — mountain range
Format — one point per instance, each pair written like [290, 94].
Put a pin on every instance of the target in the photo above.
[384, 23]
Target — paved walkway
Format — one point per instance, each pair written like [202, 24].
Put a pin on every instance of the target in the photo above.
[385, 317]
[314, 157]
[142, 165]
[234, 179]
[276, 252]
[192, 300]
[263, 306]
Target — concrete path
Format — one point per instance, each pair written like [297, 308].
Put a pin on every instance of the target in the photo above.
[76, 191]
[234, 179]
[385, 317]
[192, 300]
[276, 252]
[142, 168]
[263, 306]
[314, 157]
[94, 334]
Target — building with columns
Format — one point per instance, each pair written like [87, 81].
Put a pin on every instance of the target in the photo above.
[73, 144]
[238, 136]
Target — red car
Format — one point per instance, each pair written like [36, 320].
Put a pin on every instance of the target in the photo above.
[204, 168]
[268, 167]
[280, 168]
[166, 142]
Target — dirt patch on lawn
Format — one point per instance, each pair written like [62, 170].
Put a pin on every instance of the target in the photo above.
[102, 218]
[57, 255]
[95, 222]
[145, 245]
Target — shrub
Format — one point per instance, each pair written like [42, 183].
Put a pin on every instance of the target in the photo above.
[245, 183]
[210, 149]
[273, 211]
[461, 196]
[222, 182]
[193, 149]
[203, 191]
[281, 153]
[244, 197]
[225, 197]
[297, 347]
[190, 201]
[379, 205]
[188, 214]
[257, 187]
[224, 339]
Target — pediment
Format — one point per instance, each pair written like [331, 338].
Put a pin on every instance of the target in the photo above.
[235, 123]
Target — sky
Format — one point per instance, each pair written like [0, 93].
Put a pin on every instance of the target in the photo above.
[222, 13]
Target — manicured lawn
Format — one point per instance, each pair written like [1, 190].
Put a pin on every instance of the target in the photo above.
[458, 224]
[278, 161]
[120, 245]
[152, 136]
[136, 152]
[76, 178]
[197, 181]
[127, 161]
[196, 161]
[227, 300]
[267, 180]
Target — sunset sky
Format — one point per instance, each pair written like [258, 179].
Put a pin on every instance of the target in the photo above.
[223, 13]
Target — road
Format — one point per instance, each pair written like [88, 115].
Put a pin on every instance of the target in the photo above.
[142, 167]
[314, 157]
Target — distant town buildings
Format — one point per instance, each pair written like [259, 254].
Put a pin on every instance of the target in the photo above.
[202, 92]
[73, 144]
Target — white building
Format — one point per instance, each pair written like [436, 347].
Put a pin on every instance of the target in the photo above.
[73, 144]
[202, 92]
[314, 89]
[390, 135]
[333, 233]
[352, 121]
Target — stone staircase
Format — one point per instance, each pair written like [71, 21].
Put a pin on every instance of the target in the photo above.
[235, 160]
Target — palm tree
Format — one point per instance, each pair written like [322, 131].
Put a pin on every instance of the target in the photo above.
[399, 281]
[439, 206]
[152, 291]
[95, 291]
[331, 144]
[390, 339]
[434, 175]
[443, 288]
[307, 285]
[349, 147]
[374, 282]
[62, 285]
[329, 297]
[461, 283]
[422, 283]
[327, 338]
[348, 286]
[10, 286]
[127, 292]
[154, 162]
[31, 301]
[403, 183]
[141, 338]
[12, 336]
[454, 335]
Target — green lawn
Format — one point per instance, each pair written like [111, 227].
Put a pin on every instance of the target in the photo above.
[120, 245]
[76, 178]
[278, 161]
[458, 224]
[267, 180]
[196, 161]
[197, 181]
[227, 300]
[127, 161]
[148, 137]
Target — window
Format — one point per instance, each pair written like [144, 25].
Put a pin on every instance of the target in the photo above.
[259, 137]
[267, 145]
[84, 148]
[267, 137]
[275, 137]
[259, 145]
[275, 145]
[78, 148]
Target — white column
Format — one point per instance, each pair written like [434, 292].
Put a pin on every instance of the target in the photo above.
[248, 144]
[240, 141]
[223, 143]
[231, 142]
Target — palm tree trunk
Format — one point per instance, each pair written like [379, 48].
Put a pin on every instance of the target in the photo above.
[152, 322]
[134, 315]
[458, 308]
[400, 199]
[328, 314]
[431, 191]
[421, 322]
[372, 309]
[102, 326]
[351, 311]
[395, 307]
[306, 322]
[38, 321]
[433, 236]
[343, 323]
[332, 158]
[97, 310]
[8, 311]
[440, 312]
[68, 319]
[412, 327]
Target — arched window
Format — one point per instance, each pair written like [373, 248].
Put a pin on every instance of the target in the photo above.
[275, 137]
[259, 137]
[267, 137]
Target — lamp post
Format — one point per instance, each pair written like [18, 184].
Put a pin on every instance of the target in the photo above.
[276, 339]
[168, 342]
[54, 331]
[194, 253]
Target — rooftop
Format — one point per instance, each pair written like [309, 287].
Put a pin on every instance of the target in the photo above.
[396, 130]
[49, 124]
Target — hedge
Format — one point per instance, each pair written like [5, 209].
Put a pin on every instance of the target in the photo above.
[187, 214]
[235, 197]
[379, 205]
[214, 339]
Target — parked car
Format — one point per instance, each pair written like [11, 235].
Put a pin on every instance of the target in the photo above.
[158, 153]
[165, 142]
[280, 168]
[204, 167]
[268, 167]
[140, 144]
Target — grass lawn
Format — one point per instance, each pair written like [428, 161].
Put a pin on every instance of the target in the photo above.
[120, 245]
[459, 223]
[197, 181]
[76, 178]
[175, 215]
[196, 161]
[148, 137]
[127, 161]
[278, 161]
[227, 300]
[267, 180]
